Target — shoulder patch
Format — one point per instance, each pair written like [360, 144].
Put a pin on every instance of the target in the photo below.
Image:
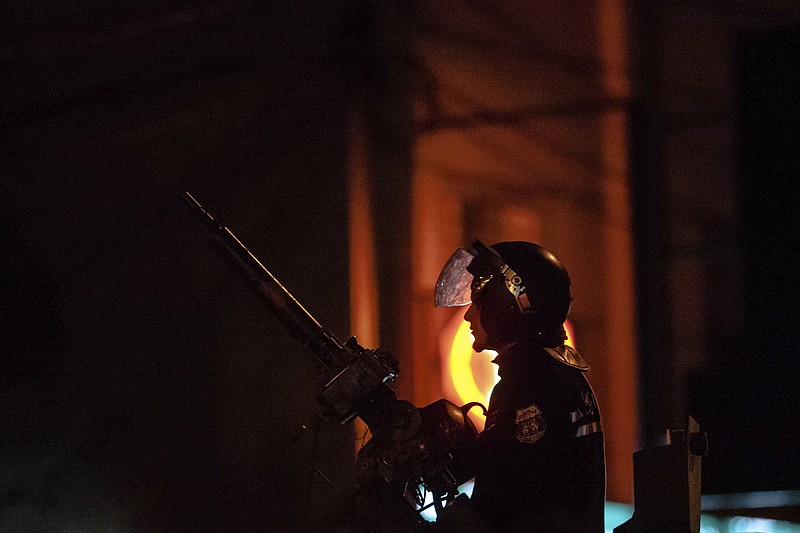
[569, 356]
[530, 424]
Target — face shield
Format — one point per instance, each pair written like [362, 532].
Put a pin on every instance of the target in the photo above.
[468, 271]
[453, 288]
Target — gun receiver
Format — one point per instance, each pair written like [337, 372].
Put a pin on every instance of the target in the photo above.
[410, 446]
[358, 376]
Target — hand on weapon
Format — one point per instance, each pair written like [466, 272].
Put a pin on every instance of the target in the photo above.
[409, 445]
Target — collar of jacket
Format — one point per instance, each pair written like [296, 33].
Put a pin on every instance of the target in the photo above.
[527, 352]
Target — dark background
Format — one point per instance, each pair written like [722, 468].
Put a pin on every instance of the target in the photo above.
[141, 387]
[746, 402]
[714, 166]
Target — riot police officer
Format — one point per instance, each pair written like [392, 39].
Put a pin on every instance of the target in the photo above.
[539, 464]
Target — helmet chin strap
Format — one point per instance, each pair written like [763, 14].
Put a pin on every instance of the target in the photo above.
[554, 337]
[501, 347]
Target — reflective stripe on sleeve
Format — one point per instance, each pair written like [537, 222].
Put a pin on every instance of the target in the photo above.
[588, 429]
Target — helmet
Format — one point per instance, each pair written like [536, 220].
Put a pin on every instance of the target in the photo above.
[521, 289]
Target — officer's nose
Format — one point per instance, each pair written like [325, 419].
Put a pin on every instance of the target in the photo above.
[471, 313]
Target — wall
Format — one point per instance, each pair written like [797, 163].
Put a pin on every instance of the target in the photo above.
[143, 389]
[521, 134]
[695, 165]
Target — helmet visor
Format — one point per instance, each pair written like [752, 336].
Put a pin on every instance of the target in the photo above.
[453, 288]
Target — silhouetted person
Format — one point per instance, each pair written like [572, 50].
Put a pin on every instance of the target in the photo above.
[539, 465]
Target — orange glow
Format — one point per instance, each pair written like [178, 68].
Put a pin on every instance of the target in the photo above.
[469, 376]
[363, 284]
[570, 341]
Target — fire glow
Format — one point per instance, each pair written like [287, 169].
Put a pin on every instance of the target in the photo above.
[468, 376]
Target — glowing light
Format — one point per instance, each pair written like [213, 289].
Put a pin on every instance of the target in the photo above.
[429, 513]
[460, 364]
[619, 513]
[570, 341]
[469, 376]
[751, 500]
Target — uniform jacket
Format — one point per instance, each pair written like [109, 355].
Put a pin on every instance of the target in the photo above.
[539, 464]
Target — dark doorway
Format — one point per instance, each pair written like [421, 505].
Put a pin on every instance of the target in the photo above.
[747, 406]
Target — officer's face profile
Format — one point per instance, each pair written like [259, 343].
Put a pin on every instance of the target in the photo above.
[473, 316]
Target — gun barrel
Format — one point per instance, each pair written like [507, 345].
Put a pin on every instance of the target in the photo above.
[301, 325]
